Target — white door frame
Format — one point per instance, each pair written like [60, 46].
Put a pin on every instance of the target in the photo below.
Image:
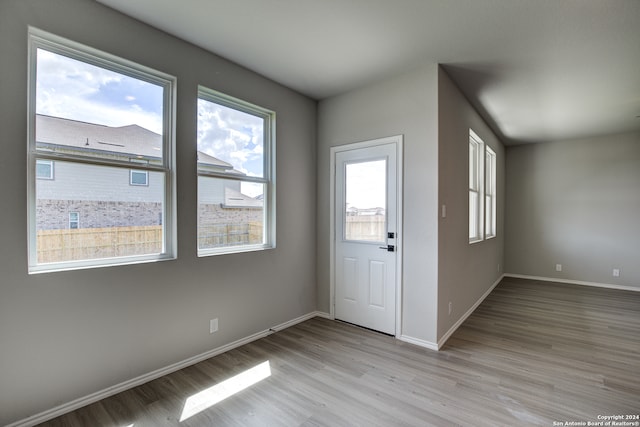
[398, 142]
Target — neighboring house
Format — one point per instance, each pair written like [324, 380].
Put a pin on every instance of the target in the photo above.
[75, 195]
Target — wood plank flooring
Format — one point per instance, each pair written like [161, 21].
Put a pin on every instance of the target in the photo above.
[531, 354]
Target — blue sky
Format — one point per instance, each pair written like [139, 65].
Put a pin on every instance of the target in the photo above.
[75, 90]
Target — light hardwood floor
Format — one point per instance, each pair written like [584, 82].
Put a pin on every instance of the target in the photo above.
[531, 354]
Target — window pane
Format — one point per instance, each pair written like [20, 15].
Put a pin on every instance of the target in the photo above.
[366, 201]
[488, 219]
[44, 169]
[229, 140]
[82, 109]
[111, 217]
[74, 220]
[139, 178]
[235, 188]
[490, 193]
[230, 213]
[100, 116]
[474, 233]
[473, 165]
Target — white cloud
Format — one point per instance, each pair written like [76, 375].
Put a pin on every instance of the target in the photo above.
[231, 135]
[75, 90]
[364, 183]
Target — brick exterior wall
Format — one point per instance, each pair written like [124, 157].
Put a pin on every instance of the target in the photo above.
[214, 214]
[220, 226]
[54, 214]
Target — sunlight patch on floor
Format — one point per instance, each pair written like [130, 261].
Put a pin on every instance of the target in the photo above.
[209, 397]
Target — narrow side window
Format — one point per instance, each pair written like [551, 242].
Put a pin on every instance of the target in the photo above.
[490, 193]
[476, 187]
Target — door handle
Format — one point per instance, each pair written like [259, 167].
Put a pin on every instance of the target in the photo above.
[388, 248]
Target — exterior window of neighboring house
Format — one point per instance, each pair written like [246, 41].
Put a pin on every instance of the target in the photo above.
[138, 177]
[96, 115]
[482, 190]
[236, 191]
[44, 169]
[74, 220]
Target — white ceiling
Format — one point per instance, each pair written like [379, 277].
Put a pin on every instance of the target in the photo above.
[537, 70]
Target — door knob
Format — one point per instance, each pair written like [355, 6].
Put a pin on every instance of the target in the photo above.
[388, 248]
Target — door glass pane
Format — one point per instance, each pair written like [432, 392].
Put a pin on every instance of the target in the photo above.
[365, 201]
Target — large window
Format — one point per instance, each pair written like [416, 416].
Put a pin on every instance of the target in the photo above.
[106, 124]
[482, 190]
[236, 192]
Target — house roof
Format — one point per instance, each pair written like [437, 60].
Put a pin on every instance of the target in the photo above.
[213, 164]
[235, 199]
[131, 141]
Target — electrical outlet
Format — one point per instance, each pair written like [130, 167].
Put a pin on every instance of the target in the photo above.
[558, 267]
[616, 272]
[498, 268]
[213, 325]
[450, 307]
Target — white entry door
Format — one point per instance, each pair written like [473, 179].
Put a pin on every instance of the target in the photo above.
[366, 239]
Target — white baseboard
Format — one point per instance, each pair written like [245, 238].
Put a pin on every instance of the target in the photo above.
[324, 315]
[417, 341]
[126, 385]
[575, 282]
[464, 317]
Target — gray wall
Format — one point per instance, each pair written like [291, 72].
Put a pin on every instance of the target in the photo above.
[465, 272]
[407, 105]
[65, 335]
[575, 203]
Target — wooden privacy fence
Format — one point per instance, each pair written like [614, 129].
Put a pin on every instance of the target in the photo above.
[366, 227]
[217, 235]
[93, 243]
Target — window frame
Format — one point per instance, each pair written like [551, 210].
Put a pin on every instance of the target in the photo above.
[268, 171]
[476, 174]
[39, 39]
[482, 170]
[490, 194]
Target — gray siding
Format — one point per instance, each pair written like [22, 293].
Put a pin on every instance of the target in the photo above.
[211, 191]
[76, 181]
